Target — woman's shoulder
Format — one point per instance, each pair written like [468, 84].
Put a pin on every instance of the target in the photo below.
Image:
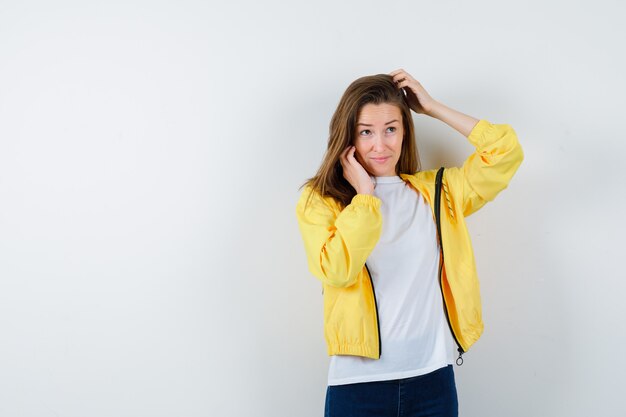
[311, 196]
[424, 177]
[425, 181]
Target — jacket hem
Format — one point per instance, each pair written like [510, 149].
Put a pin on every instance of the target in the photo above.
[352, 349]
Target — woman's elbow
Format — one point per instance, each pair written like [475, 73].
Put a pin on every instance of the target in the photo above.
[338, 279]
[341, 283]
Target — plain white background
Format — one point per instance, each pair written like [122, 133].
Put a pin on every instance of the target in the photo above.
[150, 159]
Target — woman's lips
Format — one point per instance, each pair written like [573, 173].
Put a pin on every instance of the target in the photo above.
[380, 160]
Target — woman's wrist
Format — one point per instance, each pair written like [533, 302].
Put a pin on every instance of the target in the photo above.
[461, 122]
[434, 109]
[368, 191]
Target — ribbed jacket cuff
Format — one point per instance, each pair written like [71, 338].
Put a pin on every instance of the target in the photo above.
[366, 200]
[477, 135]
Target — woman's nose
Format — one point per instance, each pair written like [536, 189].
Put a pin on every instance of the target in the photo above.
[377, 144]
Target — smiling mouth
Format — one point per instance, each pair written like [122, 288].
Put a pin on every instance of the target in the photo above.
[380, 159]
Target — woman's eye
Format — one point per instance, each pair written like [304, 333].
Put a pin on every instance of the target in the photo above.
[367, 131]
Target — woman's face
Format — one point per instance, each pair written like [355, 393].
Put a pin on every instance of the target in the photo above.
[378, 139]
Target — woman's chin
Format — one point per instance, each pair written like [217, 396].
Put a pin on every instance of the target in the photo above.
[378, 173]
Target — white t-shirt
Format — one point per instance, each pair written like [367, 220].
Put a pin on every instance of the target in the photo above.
[415, 335]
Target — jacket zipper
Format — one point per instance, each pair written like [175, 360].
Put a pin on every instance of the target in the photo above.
[439, 179]
[376, 306]
[459, 360]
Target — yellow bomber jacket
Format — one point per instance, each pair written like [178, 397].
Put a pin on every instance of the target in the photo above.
[338, 241]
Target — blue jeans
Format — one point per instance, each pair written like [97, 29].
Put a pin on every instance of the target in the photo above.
[432, 394]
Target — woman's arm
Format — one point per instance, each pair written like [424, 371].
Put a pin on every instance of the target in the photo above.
[337, 246]
[455, 119]
[498, 153]
[421, 102]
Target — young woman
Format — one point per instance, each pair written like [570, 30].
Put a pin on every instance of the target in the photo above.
[399, 296]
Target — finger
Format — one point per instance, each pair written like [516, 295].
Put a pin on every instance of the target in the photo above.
[346, 152]
[343, 156]
[396, 72]
[351, 153]
[399, 77]
[404, 83]
[403, 76]
[351, 157]
[400, 74]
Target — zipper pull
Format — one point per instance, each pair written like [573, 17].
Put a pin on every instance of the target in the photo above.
[459, 360]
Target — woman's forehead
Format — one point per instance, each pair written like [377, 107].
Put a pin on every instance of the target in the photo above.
[383, 113]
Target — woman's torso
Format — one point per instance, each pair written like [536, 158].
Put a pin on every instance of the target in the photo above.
[415, 336]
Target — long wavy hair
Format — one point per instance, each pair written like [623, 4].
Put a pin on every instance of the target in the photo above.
[375, 89]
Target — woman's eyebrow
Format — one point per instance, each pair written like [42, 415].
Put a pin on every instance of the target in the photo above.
[388, 123]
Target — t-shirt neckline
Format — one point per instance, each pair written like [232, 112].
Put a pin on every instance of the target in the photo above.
[387, 180]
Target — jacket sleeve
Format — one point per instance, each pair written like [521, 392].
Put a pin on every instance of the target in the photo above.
[337, 246]
[489, 169]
